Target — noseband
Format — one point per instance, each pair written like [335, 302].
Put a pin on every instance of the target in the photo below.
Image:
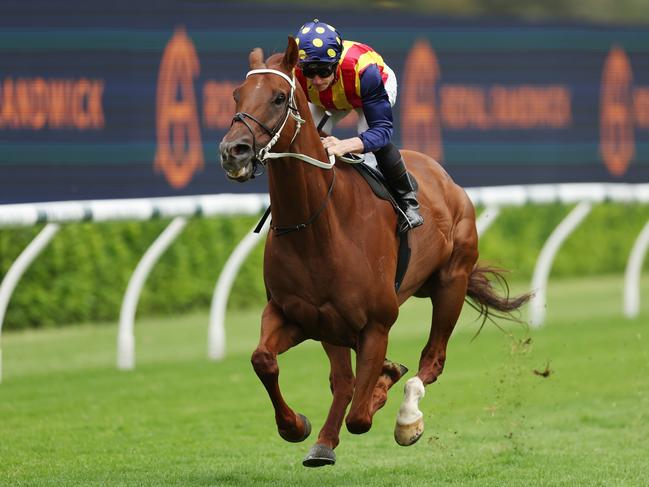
[264, 153]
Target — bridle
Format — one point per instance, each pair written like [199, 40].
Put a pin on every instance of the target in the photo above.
[261, 155]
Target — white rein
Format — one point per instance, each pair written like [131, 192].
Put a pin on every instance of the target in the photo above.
[265, 153]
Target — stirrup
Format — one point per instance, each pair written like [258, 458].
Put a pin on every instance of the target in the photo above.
[351, 158]
[406, 224]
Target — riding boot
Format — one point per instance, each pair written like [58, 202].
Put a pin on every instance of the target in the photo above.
[393, 168]
[407, 201]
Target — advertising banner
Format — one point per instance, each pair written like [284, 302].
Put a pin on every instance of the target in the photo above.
[130, 99]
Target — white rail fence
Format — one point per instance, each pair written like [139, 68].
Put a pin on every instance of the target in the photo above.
[583, 196]
[179, 208]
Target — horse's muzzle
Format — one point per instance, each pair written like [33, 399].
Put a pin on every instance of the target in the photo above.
[236, 160]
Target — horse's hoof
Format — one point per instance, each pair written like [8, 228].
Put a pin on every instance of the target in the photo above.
[358, 427]
[319, 456]
[408, 434]
[307, 431]
[403, 370]
[394, 370]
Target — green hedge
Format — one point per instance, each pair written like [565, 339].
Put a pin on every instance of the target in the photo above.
[84, 272]
[600, 245]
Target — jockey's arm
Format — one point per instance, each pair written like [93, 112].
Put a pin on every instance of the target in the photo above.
[377, 110]
[378, 114]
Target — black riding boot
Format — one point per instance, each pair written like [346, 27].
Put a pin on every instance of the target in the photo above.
[393, 168]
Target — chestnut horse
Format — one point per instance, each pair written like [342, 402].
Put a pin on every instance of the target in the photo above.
[330, 261]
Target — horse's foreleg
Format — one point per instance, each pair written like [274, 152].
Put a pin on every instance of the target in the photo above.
[370, 356]
[277, 336]
[341, 380]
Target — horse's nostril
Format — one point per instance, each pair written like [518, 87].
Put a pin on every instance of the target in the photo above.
[240, 149]
[233, 153]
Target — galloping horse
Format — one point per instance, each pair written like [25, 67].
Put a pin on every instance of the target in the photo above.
[330, 261]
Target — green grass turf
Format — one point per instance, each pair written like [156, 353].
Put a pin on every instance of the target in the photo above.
[68, 417]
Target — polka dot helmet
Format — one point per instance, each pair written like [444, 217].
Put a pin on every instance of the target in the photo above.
[319, 42]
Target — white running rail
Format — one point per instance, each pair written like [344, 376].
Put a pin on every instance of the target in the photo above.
[216, 331]
[492, 198]
[546, 258]
[632, 274]
[18, 268]
[486, 219]
[126, 336]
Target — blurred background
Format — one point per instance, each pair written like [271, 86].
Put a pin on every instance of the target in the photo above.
[123, 99]
[113, 100]
[129, 100]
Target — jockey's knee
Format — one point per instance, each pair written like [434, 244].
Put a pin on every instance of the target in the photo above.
[388, 153]
[389, 161]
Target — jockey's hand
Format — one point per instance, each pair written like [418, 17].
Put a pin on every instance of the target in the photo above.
[339, 147]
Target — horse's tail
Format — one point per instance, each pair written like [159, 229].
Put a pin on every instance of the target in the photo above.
[485, 299]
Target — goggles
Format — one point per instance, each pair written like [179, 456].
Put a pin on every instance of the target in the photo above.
[311, 70]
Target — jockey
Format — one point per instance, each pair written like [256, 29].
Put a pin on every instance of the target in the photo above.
[340, 76]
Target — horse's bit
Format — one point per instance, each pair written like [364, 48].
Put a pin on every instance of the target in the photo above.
[264, 153]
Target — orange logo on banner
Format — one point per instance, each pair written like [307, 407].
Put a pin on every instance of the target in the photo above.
[218, 104]
[420, 124]
[180, 152]
[617, 144]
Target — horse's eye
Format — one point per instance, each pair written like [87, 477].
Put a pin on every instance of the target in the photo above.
[235, 95]
[280, 99]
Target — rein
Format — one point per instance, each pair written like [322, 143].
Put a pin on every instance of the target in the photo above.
[264, 153]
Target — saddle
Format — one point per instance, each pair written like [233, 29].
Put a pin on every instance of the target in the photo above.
[376, 180]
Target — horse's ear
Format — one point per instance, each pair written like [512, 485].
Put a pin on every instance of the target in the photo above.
[256, 58]
[290, 55]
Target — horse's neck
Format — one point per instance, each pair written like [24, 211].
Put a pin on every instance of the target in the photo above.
[298, 189]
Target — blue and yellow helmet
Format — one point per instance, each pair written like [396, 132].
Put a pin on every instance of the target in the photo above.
[319, 42]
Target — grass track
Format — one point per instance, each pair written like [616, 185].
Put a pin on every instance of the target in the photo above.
[67, 417]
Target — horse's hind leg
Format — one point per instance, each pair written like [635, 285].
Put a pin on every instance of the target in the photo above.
[277, 336]
[341, 380]
[390, 375]
[447, 296]
[410, 423]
